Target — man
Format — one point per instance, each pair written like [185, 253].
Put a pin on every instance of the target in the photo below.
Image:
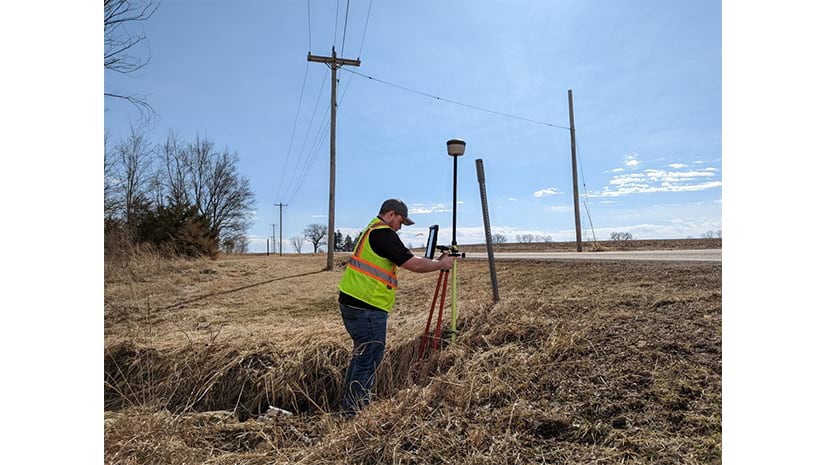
[367, 293]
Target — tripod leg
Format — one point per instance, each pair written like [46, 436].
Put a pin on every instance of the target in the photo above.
[438, 334]
[423, 344]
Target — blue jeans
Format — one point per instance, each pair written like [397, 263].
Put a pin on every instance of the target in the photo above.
[368, 329]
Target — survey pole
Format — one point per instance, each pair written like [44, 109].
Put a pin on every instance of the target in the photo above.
[455, 149]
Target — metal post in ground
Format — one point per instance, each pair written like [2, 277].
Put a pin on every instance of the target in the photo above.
[480, 175]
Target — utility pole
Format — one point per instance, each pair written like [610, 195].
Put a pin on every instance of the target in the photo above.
[280, 228]
[573, 167]
[334, 63]
[273, 237]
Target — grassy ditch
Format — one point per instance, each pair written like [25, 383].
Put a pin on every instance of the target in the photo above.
[578, 363]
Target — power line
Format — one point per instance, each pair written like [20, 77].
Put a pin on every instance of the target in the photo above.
[344, 37]
[544, 123]
[335, 29]
[309, 30]
[585, 190]
[295, 123]
[311, 158]
[300, 170]
[309, 127]
[364, 34]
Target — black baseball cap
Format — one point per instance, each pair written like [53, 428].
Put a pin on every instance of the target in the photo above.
[397, 206]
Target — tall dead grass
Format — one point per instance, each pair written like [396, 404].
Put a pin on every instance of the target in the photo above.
[623, 369]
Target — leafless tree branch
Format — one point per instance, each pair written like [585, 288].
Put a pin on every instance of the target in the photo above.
[119, 44]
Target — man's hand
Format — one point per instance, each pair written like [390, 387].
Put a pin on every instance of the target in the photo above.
[424, 265]
[446, 261]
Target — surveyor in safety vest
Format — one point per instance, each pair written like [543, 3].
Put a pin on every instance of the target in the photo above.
[367, 293]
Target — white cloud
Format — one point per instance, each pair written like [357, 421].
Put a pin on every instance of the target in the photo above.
[512, 199]
[546, 191]
[558, 208]
[653, 180]
[631, 159]
[677, 166]
[319, 216]
[422, 209]
[642, 189]
[615, 170]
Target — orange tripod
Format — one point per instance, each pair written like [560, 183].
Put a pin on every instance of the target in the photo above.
[442, 282]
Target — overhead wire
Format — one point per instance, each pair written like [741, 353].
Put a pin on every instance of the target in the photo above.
[309, 30]
[585, 191]
[309, 127]
[315, 147]
[364, 34]
[335, 29]
[361, 48]
[545, 123]
[292, 135]
[344, 36]
[312, 155]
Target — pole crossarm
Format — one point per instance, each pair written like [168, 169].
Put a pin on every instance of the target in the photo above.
[330, 60]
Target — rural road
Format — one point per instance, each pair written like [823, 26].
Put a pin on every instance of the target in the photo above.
[703, 255]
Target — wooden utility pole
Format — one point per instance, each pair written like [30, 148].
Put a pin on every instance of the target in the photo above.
[280, 228]
[334, 63]
[273, 237]
[573, 167]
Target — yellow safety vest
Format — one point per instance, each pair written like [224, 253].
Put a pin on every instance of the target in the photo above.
[368, 276]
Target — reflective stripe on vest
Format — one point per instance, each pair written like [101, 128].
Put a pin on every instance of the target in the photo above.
[363, 266]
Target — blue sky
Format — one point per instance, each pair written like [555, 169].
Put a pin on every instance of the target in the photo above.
[646, 79]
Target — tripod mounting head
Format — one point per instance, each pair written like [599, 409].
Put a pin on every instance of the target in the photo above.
[453, 251]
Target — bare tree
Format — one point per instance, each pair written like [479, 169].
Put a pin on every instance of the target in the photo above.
[197, 174]
[236, 244]
[547, 238]
[193, 175]
[712, 234]
[525, 238]
[110, 180]
[120, 43]
[129, 177]
[621, 236]
[499, 238]
[297, 242]
[316, 234]
[175, 171]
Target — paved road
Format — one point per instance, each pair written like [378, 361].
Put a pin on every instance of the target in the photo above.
[704, 255]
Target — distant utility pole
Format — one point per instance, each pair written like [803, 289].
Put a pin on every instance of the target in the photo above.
[280, 227]
[273, 237]
[334, 63]
[573, 167]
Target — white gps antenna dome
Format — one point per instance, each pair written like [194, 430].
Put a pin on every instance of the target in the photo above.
[455, 147]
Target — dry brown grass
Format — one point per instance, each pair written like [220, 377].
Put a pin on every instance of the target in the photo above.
[578, 363]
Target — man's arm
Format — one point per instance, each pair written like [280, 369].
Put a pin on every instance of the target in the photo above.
[424, 265]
